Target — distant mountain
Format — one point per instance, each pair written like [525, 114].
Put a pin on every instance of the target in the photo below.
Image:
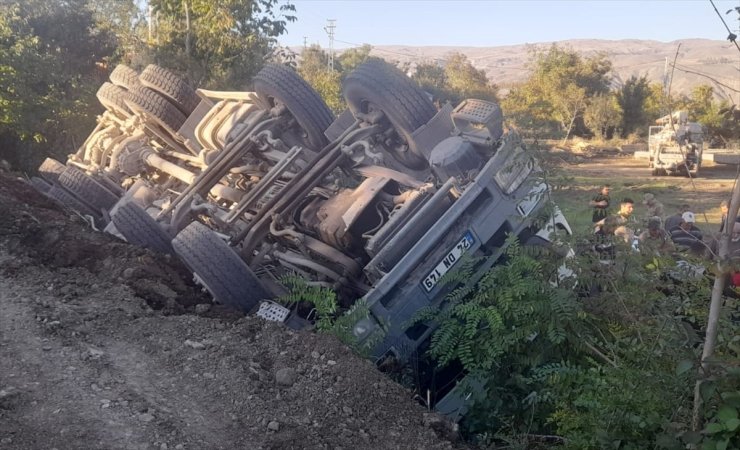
[699, 61]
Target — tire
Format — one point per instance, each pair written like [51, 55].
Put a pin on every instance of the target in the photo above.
[377, 85]
[125, 77]
[171, 86]
[112, 98]
[145, 100]
[67, 200]
[279, 84]
[224, 274]
[40, 184]
[139, 228]
[50, 170]
[87, 188]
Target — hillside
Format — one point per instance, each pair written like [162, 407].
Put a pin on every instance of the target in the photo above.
[507, 64]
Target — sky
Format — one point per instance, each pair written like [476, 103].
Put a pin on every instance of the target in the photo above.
[495, 23]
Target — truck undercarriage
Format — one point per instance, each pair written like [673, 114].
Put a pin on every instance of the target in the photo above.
[247, 188]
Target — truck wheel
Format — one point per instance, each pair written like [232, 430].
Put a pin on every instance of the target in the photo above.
[50, 170]
[139, 228]
[40, 184]
[145, 100]
[67, 200]
[229, 280]
[277, 84]
[87, 188]
[125, 77]
[112, 98]
[379, 86]
[171, 86]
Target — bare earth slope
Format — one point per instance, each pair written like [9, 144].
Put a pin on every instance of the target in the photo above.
[100, 347]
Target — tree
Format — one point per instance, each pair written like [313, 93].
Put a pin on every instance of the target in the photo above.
[454, 81]
[555, 95]
[602, 115]
[218, 43]
[125, 20]
[705, 110]
[466, 81]
[328, 83]
[631, 99]
[50, 66]
[353, 57]
[431, 77]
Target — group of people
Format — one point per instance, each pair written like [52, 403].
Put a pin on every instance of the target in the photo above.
[651, 234]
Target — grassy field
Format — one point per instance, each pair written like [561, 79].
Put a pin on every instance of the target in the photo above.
[576, 183]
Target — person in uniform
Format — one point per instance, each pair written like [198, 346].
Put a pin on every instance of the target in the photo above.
[600, 203]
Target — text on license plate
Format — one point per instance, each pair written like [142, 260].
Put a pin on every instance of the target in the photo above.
[444, 266]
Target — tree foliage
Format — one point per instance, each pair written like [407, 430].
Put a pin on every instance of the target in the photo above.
[605, 359]
[353, 57]
[603, 115]
[219, 44]
[314, 68]
[455, 80]
[50, 66]
[557, 92]
[631, 98]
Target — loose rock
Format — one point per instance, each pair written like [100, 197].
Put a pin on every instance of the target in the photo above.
[285, 376]
[194, 344]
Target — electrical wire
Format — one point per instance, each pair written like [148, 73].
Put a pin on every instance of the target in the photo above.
[675, 66]
[732, 37]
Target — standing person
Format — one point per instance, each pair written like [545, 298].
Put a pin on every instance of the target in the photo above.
[654, 207]
[676, 219]
[724, 208]
[600, 203]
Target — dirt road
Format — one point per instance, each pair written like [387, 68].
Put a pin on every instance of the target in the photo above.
[103, 345]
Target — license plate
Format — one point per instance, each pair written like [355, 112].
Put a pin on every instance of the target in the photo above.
[449, 261]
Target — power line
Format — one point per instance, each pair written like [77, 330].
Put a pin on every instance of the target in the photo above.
[732, 37]
[706, 76]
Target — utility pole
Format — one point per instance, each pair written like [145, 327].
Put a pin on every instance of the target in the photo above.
[329, 28]
[305, 42]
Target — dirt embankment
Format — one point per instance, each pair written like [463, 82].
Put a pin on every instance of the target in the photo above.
[104, 345]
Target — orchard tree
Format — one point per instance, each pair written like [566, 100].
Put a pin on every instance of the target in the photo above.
[555, 95]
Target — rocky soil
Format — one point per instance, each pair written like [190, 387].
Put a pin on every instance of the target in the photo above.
[105, 345]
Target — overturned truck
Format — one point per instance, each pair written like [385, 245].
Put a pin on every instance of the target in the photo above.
[377, 204]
